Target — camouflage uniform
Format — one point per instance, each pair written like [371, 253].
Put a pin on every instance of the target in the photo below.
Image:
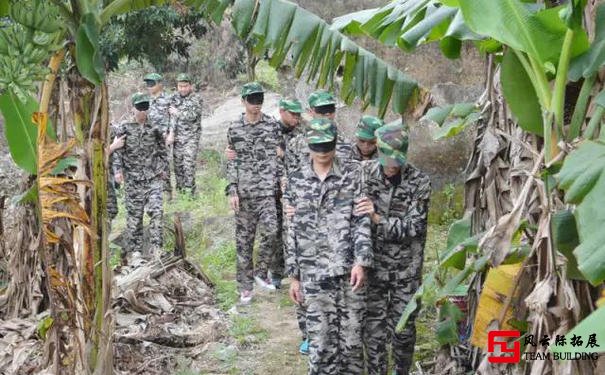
[325, 240]
[398, 241]
[159, 117]
[277, 265]
[142, 163]
[254, 176]
[187, 130]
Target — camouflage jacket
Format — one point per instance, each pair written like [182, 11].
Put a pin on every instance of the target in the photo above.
[324, 238]
[287, 134]
[143, 156]
[158, 113]
[399, 237]
[356, 154]
[188, 122]
[298, 151]
[257, 168]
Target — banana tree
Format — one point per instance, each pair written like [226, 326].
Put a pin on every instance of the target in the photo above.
[536, 53]
[50, 49]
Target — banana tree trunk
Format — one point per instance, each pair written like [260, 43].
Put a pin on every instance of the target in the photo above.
[75, 229]
[504, 173]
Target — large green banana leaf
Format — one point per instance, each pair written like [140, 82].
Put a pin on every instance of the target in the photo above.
[312, 46]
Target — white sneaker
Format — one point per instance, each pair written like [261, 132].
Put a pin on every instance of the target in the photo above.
[245, 297]
[265, 284]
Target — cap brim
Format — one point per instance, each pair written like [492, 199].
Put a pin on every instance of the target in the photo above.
[365, 136]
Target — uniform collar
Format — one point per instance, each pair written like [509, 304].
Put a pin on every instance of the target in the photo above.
[263, 118]
[335, 171]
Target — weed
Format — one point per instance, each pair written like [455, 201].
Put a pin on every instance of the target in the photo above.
[246, 331]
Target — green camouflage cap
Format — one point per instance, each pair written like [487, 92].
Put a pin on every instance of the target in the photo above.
[320, 98]
[291, 105]
[251, 88]
[153, 77]
[367, 126]
[392, 145]
[321, 130]
[139, 97]
[183, 77]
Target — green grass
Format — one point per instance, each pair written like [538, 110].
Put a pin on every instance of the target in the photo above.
[246, 331]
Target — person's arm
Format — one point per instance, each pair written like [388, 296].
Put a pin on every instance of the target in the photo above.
[361, 225]
[231, 170]
[412, 223]
[291, 248]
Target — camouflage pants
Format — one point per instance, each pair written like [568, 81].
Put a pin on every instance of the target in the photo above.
[277, 263]
[143, 196]
[252, 212]
[386, 301]
[335, 316]
[185, 161]
[166, 180]
[301, 317]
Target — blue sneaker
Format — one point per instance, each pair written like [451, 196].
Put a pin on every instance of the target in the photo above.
[276, 283]
[304, 347]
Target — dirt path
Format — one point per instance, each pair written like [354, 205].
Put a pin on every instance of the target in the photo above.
[278, 352]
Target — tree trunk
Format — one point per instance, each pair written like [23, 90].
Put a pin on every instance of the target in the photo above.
[74, 242]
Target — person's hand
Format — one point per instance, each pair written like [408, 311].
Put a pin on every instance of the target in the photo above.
[280, 152]
[289, 211]
[358, 277]
[283, 183]
[294, 292]
[365, 206]
[119, 178]
[170, 139]
[118, 143]
[173, 111]
[234, 202]
[230, 154]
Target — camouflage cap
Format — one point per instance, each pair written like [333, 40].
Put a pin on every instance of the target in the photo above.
[291, 105]
[321, 130]
[153, 77]
[366, 127]
[139, 97]
[392, 145]
[183, 77]
[321, 98]
[251, 88]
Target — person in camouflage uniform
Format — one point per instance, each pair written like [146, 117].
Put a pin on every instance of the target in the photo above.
[159, 116]
[186, 115]
[327, 251]
[322, 105]
[397, 198]
[253, 178]
[290, 111]
[140, 165]
[365, 144]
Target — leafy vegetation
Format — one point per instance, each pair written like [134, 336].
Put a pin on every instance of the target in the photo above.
[539, 49]
[152, 34]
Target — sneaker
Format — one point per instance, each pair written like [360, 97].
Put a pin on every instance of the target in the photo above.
[265, 284]
[276, 282]
[245, 297]
[304, 347]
